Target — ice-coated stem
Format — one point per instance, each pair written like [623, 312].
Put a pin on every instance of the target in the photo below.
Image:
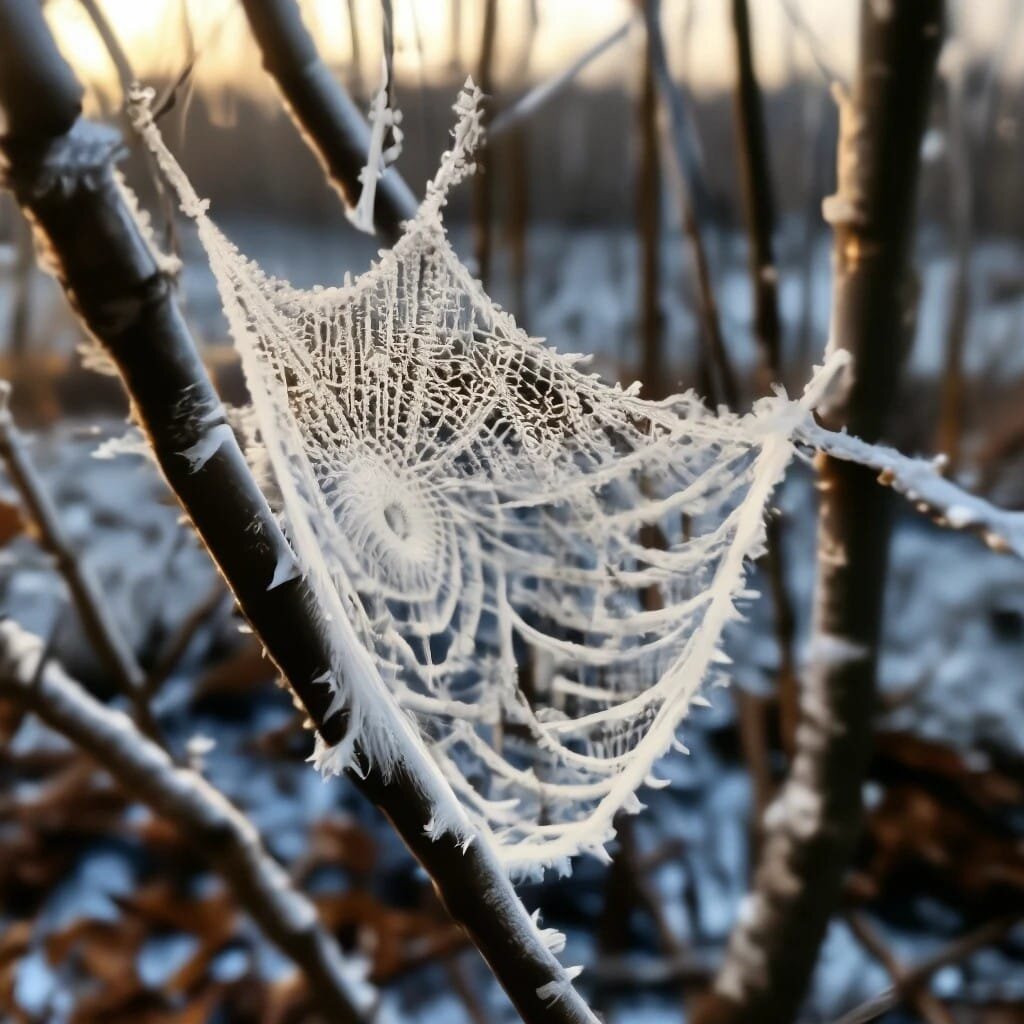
[218, 830]
[811, 828]
[59, 168]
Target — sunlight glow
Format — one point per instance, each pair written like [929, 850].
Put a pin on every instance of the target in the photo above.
[155, 34]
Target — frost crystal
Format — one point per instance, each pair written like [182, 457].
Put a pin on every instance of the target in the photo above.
[524, 573]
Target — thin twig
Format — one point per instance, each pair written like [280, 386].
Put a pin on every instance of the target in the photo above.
[759, 206]
[648, 223]
[988, 934]
[758, 201]
[219, 831]
[540, 95]
[813, 43]
[100, 626]
[357, 49]
[961, 192]
[118, 56]
[695, 203]
[20, 330]
[517, 212]
[926, 1004]
[483, 180]
[126, 78]
[174, 650]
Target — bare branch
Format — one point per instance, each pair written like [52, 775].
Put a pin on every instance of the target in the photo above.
[927, 1005]
[648, 193]
[759, 206]
[330, 122]
[215, 605]
[961, 213]
[100, 626]
[913, 977]
[221, 833]
[812, 42]
[758, 203]
[483, 180]
[540, 95]
[693, 195]
[118, 57]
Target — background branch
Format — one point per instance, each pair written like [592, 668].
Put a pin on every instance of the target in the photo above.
[100, 627]
[216, 827]
[721, 384]
[759, 207]
[813, 825]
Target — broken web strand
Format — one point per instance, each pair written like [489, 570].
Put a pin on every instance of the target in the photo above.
[582, 786]
[383, 118]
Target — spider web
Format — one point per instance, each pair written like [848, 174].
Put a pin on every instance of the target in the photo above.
[524, 573]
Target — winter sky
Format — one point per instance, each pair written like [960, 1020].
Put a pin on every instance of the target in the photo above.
[153, 33]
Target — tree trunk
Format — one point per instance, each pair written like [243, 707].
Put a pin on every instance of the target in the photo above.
[812, 827]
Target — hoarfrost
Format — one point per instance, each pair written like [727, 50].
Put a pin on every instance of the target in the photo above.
[523, 573]
[555, 990]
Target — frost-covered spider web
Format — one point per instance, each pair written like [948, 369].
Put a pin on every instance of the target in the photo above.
[524, 573]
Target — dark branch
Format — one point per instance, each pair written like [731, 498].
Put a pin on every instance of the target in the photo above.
[330, 122]
[756, 179]
[722, 385]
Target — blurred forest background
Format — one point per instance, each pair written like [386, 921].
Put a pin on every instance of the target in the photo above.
[108, 913]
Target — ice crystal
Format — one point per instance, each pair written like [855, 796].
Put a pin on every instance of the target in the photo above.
[524, 573]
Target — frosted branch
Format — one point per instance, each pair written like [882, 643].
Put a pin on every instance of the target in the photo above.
[921, 482]
[221, 833]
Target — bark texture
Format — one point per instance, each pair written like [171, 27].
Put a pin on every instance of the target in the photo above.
[811, 829]
[59, 168]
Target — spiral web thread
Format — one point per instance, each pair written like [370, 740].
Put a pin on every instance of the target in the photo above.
[524, 572]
